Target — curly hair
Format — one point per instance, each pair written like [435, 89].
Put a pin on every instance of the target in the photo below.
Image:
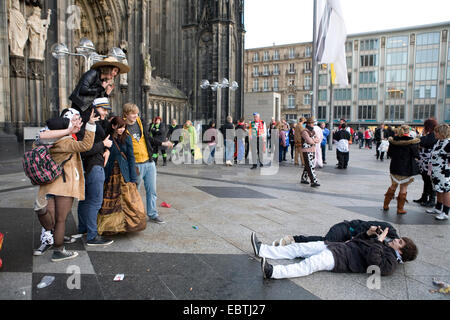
[443, 130]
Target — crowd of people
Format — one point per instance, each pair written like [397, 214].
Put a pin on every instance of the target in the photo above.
[107, 158]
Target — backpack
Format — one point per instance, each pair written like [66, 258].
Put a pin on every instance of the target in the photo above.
[39, 166]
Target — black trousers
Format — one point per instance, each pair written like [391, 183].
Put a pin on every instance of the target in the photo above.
[342, 158]
[427, 185]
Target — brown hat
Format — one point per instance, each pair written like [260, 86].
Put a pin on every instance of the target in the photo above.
[310, 120]
[112, 62]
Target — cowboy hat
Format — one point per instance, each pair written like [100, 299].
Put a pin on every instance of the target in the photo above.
[112, 62]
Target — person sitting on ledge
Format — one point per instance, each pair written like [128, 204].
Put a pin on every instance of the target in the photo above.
[353, 256]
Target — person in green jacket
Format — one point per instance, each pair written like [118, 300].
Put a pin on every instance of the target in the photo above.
[189, 138]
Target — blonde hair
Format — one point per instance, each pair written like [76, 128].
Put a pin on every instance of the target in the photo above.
[404, 129]
[129, 108]
[443, 130]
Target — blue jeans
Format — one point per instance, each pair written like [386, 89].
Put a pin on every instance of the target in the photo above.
[147, 174]
[88, 209]
[229, 150]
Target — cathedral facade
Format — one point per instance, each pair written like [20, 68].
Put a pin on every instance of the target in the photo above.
[170, 45]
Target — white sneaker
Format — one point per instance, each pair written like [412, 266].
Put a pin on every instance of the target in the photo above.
[433, 211]
[441, 216]
[46, 236]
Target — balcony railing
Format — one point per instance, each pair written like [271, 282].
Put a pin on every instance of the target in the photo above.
[306, 70]
[276, 72]
[291, 71]
[255, 74]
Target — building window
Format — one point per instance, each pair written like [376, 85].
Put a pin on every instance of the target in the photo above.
[367, 112]
[368, 94]
[425, 92]
[323, 78]
[308, 67]
[397, 42]
[349, 61]
[266, 85]
[396, 75]
[291, 68]
[447, 113]
[448, 91]
[348, 46]
[423, 74]
[342, 94]
[341, 112]
[291, 101]
[423, 112]
[322, 95]
[368, 77]
[367, 45]
[397, 58]
[291, 53]
[369, 60]
[394, 112]
[307, 82]
[322, 112]
[291, 81]
[275, 84]
[308, 52]
[427, 55]
[395, 92]
[266, 70]
[307, 99]
[291, 117]
[276, 55]
[276, 69]
[425, 39]
[266, 55]
[255, 57]
[255, 71]
[255, 85]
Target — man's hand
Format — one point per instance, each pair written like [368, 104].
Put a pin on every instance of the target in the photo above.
[167, 144]
[107, 143]
[109, 89]
[373, 231]
[382, 236]
[93, 118]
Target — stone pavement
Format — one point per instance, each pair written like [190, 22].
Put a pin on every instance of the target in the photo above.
[204, 250]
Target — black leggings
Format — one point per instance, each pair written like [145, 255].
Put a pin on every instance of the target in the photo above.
[53, 217]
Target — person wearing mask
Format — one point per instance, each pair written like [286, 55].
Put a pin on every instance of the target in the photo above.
[342, 137]
[228, 133]
[308, 149]
[440, 170]
[403, 151]
[427, 142]
[158, 130]
[98, 82]
[323, 145]
[143, 146]
[257, 135]
[298, 140]
[122, 209]
[54, 200]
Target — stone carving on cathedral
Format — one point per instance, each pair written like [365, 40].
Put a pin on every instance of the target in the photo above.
[37, 31]
[147, 70]
[18, 33]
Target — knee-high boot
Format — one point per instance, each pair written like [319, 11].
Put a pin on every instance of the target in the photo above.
[401, 203]
[389, 195]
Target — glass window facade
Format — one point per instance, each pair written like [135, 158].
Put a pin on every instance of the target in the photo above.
[367, 112]
[397, 42]
[369, 60]
[394, 92]
[368, 94]
[398, 75]
[323, 79]
[322, 112]
[341, 112]
[423, 74]
[367, 45]
[394, 112]
[368, 77]
[425, 39]
[423, 112]
[342, 94]
[447, 94]
[424, 92]
[396, 58]
[427, 55]
[322, 95]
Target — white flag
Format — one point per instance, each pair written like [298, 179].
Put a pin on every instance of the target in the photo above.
[331, 37]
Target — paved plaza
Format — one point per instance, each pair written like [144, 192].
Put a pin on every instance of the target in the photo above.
[204, 250]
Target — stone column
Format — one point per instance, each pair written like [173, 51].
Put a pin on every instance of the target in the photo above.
[5, 100]
[36, 77]
[18, 92]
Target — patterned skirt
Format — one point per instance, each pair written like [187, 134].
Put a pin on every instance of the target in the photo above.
[122, 209]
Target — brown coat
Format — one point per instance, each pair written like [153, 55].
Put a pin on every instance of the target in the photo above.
[309, 138]
[61, 150]
[298, 135]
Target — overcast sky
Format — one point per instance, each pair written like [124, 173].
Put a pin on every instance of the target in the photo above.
[290, 21]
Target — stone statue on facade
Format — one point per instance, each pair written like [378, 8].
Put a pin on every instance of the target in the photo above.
[18, 33]
[147, 70]
[37, 29]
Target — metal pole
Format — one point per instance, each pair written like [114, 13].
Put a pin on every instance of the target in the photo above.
[314, 63]
[219, 108]
[331, 117]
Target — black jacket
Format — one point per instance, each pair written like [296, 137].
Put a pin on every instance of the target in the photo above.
[159, 134]
[87, 90]
[93, 157]
[342, 134]
[427, 142]
[230, 127]
[377, 135]
[171, 129]
[403, 152]
[361, 252]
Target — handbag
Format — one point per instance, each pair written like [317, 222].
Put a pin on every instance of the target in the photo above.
[124, 156]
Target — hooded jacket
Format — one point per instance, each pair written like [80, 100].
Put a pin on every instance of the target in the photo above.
[403, 152]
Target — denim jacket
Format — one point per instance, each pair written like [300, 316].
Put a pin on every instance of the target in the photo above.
[127, 167]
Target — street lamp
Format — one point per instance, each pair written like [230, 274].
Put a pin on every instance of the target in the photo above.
[86, 49]
[215, 86]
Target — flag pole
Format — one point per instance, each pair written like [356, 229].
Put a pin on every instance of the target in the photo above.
[314, 63]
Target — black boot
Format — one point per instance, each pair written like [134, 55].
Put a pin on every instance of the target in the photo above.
[422, 199]
[164, 162]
